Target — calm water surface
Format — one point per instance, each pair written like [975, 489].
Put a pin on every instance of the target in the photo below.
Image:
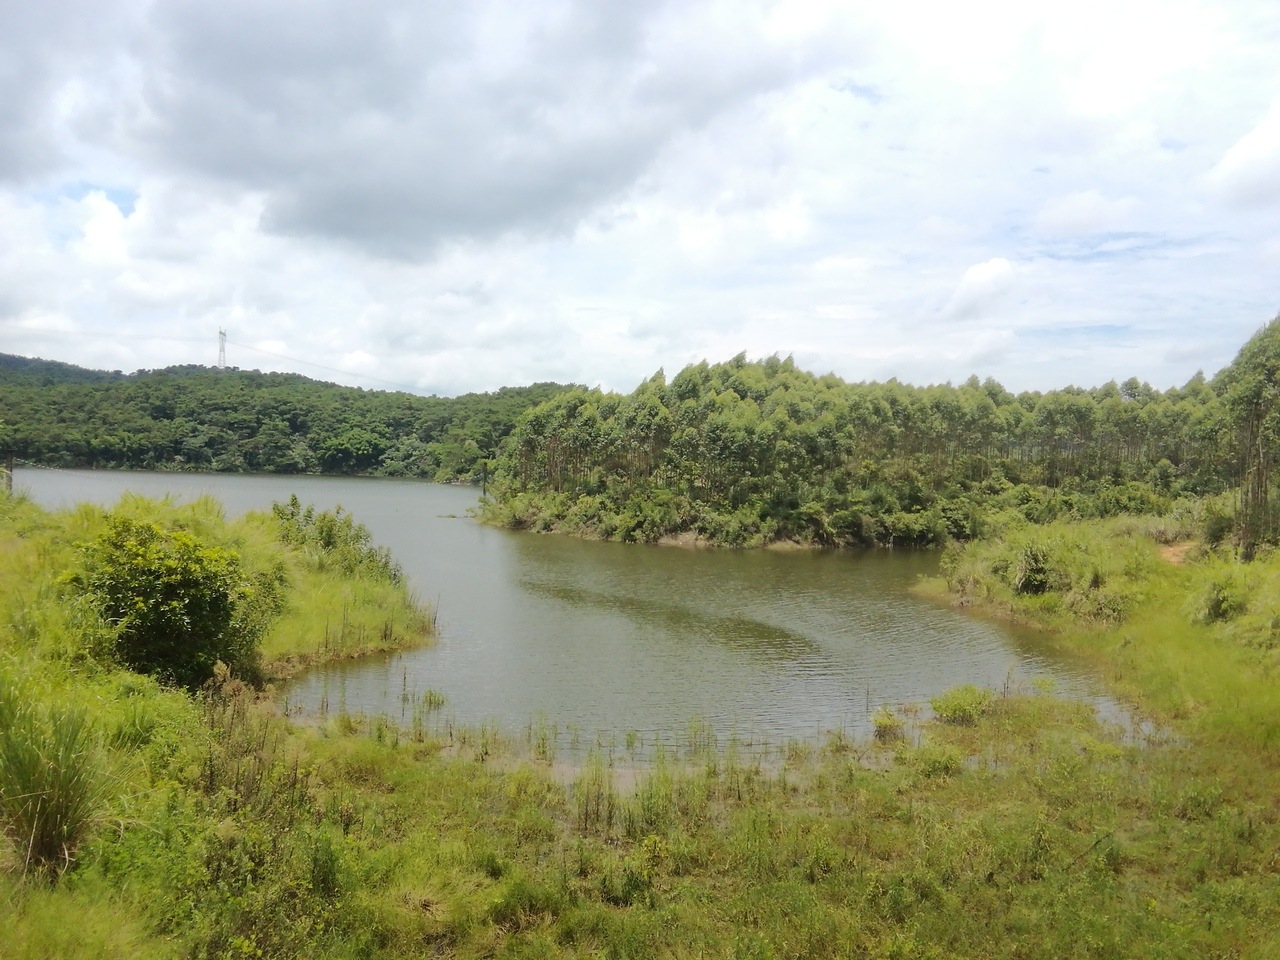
[603, 638]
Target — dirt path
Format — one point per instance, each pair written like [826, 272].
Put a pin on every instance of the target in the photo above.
[1176, 553]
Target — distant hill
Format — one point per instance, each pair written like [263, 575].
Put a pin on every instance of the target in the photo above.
[43, 373]
[201, 418]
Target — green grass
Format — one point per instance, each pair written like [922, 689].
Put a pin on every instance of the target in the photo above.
[1195, 643]
[330, 616]
[961, 705]
[51, 782]
[81, 920]
[1035, 831]
[1007, 827]
[334, 609]
[1060, 573]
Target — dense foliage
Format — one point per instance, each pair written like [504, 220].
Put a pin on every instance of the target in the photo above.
[32, 371]
[744, 452]
[1251, 388]
[176, 606]
[196, 418]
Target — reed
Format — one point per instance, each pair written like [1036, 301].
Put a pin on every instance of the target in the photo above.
[52, 782]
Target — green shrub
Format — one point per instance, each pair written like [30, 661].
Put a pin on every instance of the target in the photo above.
[1223, 596]
[1217, 526]
[962, 705]
[173, 601]
[326, 864]
[1031, 574]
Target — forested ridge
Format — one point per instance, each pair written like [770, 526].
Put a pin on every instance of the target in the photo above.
[737, 453]
[753, 451]
[199, 418]
[32, 371]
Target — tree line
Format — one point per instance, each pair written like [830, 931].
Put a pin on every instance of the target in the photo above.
[752, 451]
[199, 418]
[741, 452]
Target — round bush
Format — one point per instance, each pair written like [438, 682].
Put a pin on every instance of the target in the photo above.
[171, 598]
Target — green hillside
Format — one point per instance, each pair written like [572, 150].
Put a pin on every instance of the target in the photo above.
[198, 418]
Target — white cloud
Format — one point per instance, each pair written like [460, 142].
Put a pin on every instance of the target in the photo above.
[941, 230]
[457, 197]
[846, 311]
[1085, 212]
[360, 360]
[981, 289]
[1249, 172]
[104, 231]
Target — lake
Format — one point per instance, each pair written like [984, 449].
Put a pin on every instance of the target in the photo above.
[605, 639]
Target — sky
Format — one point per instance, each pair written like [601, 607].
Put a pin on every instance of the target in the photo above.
[447, 197]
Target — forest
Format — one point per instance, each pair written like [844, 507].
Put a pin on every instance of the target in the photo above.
[200, 418]
[748, 452]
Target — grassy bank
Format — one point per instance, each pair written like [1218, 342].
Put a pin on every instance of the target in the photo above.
[1014, 827]
[1179, 626]
[1032, 832]
[338, 597]
[348, 598]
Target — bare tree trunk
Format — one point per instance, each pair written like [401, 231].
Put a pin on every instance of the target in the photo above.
[1255, 512]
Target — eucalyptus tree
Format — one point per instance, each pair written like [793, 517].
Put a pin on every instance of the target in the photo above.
[1251, 390]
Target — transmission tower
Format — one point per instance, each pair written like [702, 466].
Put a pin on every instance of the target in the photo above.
[222, 349]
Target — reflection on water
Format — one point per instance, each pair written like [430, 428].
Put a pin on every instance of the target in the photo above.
[743, 633]
[606, 638]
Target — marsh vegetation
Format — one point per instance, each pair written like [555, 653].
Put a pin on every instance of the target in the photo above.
[205, 824]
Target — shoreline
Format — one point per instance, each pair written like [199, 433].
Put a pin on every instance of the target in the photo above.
[290, 666]
[693, 540]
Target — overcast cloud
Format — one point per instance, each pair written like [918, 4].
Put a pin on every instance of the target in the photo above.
[455, 197]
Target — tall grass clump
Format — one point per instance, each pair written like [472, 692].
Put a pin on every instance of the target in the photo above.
[595, 797]
[1092, 572]
[51, 780]
[886, 725]
[348, 597]
[962, 705]
[332, 537]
